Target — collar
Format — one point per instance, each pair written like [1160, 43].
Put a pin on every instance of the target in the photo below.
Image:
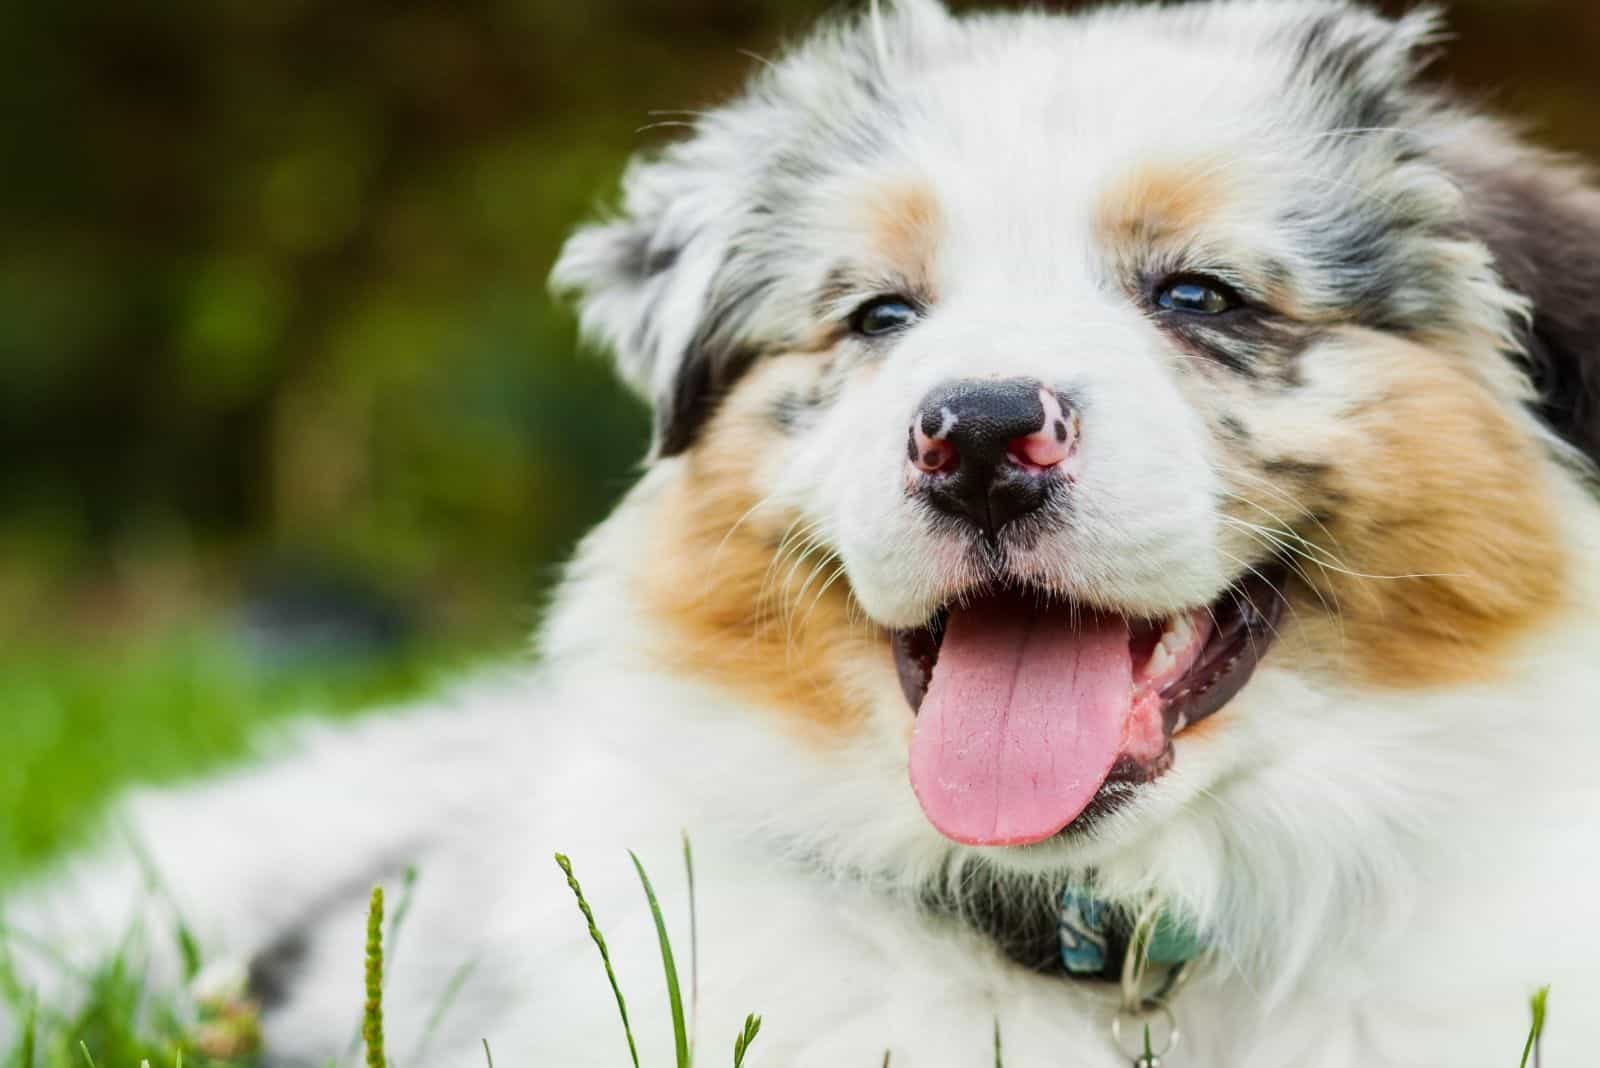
[1071, 932]
[1094, 937]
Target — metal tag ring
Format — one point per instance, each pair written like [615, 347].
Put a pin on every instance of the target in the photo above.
[1151, 1009]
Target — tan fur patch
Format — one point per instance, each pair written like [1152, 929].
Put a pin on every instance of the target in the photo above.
[905, 223]
[1157, 212]
[1436, 544]
[1154, 203]
[740, 600]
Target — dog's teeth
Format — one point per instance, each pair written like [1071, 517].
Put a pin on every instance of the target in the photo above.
[1160, 660]
[1178, 634]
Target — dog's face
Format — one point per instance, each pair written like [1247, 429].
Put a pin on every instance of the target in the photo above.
[1040, 385]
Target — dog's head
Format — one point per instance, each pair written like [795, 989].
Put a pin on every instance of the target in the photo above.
[1036, 387]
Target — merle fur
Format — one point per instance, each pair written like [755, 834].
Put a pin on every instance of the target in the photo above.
[1541, 220]
[1375, 257]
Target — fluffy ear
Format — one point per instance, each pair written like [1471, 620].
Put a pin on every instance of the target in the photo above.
[671, 283]
[1359, 63]
[643, 281]
[1539, 215]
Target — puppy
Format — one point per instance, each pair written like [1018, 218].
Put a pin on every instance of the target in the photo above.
[1119, 546]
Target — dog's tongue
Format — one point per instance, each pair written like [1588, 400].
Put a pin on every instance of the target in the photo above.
[1022, 721]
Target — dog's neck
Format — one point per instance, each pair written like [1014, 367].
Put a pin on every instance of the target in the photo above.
[1020, 918]
[1060, 928]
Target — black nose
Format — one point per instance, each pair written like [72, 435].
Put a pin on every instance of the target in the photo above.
[989, 451]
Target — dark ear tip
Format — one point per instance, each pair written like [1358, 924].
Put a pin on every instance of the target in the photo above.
[679, 425]
[1540, 219]
[706, 373]
[670, 442]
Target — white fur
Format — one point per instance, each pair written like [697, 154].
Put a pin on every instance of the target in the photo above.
[1375, 908]
[1384, 878]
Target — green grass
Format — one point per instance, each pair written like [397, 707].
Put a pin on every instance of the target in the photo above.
[682, 1045]
[680, 1031]
[78, 723]
[372, 1014]
[605, 953]
[120, 1025]
[1539, 1006]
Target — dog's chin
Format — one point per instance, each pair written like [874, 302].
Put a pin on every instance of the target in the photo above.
[1038, 716]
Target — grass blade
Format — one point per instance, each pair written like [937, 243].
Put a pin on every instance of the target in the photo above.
[694, 947]
[441, 1009]
[391, 944]
[680, 1035]
[1541, 1001]
[189, 948]
[999, 1059]
[30, 1034]
[408, 890]
[488, 1056]
[188, 945]
[86, 1056]
[605, 954]
[372, 1015]
[741, 1044]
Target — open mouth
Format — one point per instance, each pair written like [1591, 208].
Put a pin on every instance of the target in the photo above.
[1028, 710]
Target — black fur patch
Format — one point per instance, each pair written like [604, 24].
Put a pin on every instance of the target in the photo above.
[1021, 919]
[645, 259]
[840, 284]
[797, 409]
[271, 975]
[274, 971]
[1298, 470]
[1309, 479]
[793, 410]
[715, 360]
[1247, 341]
[1543, 226]
[1235, 429]
[680, 414]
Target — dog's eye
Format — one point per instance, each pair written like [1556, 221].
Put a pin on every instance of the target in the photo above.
[1197, 295]
[883, 315]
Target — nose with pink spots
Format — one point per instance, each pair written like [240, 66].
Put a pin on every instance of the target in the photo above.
[989, 451]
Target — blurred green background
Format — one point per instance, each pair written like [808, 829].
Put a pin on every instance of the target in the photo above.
[288, 421]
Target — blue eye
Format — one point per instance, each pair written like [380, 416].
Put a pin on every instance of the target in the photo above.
[883, 315]
[1197, 296]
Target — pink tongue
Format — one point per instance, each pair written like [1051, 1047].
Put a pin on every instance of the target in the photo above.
[1022, 722]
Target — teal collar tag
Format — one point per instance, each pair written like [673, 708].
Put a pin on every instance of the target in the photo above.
[1095, 936]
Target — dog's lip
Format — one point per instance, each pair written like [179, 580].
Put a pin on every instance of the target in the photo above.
[1245, 624]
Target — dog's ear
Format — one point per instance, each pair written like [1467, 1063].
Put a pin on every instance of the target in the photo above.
[1357, 62]
[670, 284]
[643, 282]
[1539, 215]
